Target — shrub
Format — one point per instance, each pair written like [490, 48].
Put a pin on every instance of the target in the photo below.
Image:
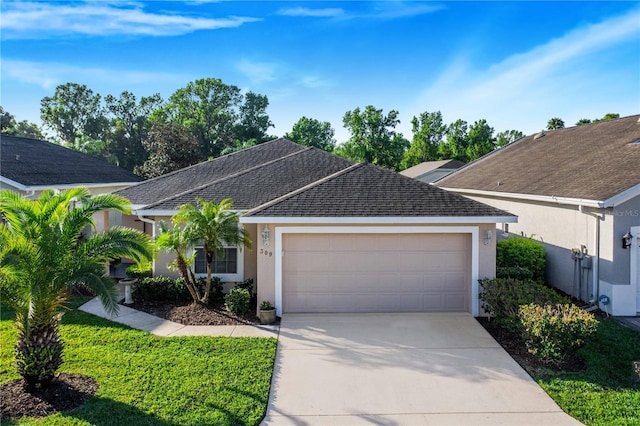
[237, 301]
[522, 252]
[247, 284]
[160, 288]
[217, 295]
[502, 298]
[515, 272]
[140, 270]
[266, 306]
[551, 332]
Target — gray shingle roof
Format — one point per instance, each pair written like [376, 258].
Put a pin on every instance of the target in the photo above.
[175, 183]
[367, 190]
[262, 183]
[33, 162]
[593, 161]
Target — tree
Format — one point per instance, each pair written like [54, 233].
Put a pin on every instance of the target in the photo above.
[456, 142]
[373, 137]
[74, 111]
[24, 128]
[171, 147]
[44, 253]
[214, 225]
[583, 121]
[254, 120]
[208, 109]
[175, 241]
[555, 123]
[481, 141]
[129, 126]
[239, 146]
[312, 132]
[508, 136]
[607, 117]
[428, 130]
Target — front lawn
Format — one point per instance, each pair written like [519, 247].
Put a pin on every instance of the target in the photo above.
[607, 392]
[150, 380]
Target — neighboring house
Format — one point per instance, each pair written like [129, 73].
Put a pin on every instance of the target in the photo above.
[431, 171]
[29, 166]
[333, 236]
[574, 189]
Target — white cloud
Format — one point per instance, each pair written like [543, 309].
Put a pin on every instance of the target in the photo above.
[48, 74]
[39, 20]
[315, 82]
[257, 72]
[315, 13]
[562, 77]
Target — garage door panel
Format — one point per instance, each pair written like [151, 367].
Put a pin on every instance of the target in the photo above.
[376, 272]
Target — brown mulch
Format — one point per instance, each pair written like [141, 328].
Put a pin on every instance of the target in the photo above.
[188, 313]
[513, 344]
[66, 392]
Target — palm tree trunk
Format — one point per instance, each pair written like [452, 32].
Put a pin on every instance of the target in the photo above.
[39, 353]
[189, 281]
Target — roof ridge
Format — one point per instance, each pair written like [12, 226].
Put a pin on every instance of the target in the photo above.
[304, 188]
[213, 159]
[222, 179]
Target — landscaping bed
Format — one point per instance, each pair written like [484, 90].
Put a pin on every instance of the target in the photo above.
[189, 313]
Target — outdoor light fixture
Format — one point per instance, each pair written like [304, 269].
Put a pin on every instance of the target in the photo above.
[626, 240]
[487, 237]
[265, 235]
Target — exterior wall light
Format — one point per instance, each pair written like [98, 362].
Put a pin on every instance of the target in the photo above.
[487, 237]
[626, 240]
[265, 235]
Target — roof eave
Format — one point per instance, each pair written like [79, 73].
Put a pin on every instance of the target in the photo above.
[622, 197]
[24, 187]
[380, 219]
[531, 197]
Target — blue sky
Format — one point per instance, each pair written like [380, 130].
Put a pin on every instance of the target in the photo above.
[515, 64]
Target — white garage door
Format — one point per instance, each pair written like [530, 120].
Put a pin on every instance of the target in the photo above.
[376, 272]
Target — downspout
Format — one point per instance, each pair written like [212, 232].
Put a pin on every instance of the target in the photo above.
[596, 264]
[30, 193]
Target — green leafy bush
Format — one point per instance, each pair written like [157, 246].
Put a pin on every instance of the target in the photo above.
[237, 301]
[502, 298]
[247, 284]
[523, 253]
[140, 270]
[160, 288]
[551, 332]
[515, 272]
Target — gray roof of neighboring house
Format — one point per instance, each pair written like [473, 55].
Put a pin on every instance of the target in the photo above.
[175, 183]
[427, 166]
[367, 190]
[262, 183]
[592, 162]
[33, 162]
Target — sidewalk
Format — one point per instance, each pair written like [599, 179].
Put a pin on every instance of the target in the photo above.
[161, 327]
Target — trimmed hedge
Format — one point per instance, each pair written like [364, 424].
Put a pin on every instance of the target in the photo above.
[161, 289]
[551, 332]
[522, 253]
[502, 298]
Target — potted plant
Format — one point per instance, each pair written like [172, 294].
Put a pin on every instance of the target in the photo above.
[267, 312]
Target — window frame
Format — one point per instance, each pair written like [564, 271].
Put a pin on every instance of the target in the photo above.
[226, 277]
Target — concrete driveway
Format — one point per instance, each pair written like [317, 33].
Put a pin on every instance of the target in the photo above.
[400, 369]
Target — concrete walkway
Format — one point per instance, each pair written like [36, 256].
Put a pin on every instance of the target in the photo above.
[165, 328]
[400, 369]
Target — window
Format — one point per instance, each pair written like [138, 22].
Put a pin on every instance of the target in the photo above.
[228, 264]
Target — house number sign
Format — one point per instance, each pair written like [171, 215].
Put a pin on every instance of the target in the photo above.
[266, 253]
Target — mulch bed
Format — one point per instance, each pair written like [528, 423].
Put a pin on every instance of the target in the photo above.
[66, 392]
[513, 344]
[188, 313]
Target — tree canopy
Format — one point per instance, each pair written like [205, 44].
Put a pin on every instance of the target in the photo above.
[312, 132]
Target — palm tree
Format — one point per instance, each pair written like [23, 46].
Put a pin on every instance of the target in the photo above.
[43, 254]
[555, 123]
[175, 241]
[215, 226]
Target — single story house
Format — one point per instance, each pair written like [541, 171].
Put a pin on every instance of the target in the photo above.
[30, 166]
[578, 191]
[333, 236]
[431, 171]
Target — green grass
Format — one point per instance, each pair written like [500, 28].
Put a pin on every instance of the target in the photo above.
[608, 391]
[150, 380]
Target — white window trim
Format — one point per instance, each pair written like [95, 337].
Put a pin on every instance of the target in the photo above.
[473, 230]
[237, 277]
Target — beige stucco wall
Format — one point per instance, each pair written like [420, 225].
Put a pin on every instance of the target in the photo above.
[266, 255]
[561, 228]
